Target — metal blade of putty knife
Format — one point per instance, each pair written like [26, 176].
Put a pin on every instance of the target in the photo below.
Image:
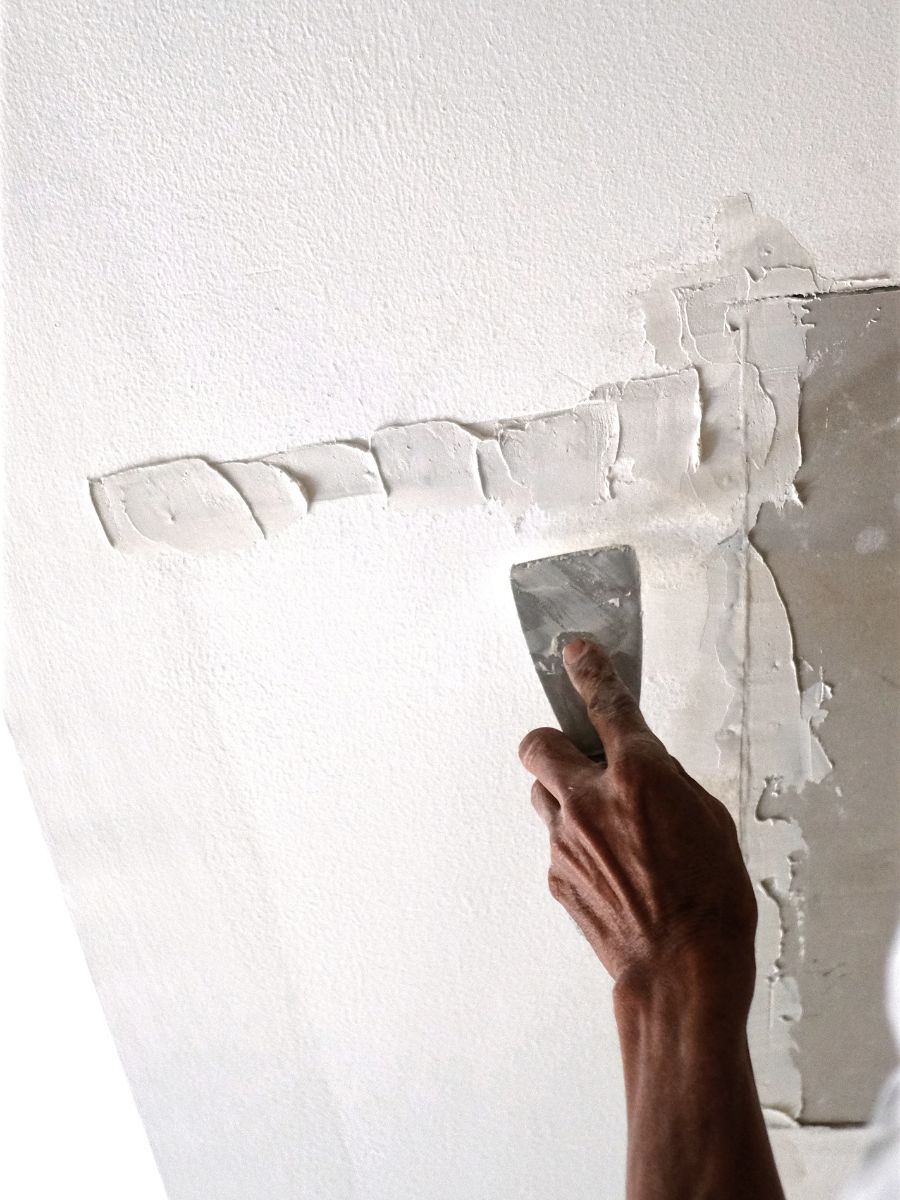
[591, 593]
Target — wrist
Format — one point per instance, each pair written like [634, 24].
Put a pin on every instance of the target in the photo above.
[695, 992]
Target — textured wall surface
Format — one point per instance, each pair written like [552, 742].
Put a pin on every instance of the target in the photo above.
[280, 783]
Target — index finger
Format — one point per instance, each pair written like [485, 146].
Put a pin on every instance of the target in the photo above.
[613, 710]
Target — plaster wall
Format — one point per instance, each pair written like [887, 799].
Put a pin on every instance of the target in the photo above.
[279, 780]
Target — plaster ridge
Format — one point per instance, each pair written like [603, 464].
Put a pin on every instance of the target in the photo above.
[217, 467]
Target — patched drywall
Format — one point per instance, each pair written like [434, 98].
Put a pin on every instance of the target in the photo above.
[322, 321]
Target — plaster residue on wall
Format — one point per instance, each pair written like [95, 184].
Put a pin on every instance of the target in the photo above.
[692, 453]
[645, 429]
[727, 400]
[191, 505]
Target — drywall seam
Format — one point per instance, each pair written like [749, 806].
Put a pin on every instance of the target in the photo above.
[754, 647]
[748, 348]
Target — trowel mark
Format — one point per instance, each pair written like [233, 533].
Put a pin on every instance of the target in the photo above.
[330, 470]
[187, 504]
[428, 463]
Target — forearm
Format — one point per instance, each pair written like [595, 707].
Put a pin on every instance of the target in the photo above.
[650, 867]
[695, 1127]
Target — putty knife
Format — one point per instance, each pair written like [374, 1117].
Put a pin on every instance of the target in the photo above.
[591, 593]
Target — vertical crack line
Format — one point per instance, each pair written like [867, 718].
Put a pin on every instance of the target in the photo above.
[746, 597]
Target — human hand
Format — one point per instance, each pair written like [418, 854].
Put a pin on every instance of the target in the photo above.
[646, 862]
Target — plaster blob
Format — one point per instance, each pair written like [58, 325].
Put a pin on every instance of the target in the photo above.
[185, 504]
[330, 470]
[431, 463]
[685, 311]
[660, 428]
[561, 460]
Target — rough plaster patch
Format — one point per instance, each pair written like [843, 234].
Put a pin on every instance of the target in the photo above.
[726, 354]
[554, 461]
[769, 737]
[840, 904]
[660, 434]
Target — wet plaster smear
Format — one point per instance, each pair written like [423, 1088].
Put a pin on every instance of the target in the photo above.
[322, 321]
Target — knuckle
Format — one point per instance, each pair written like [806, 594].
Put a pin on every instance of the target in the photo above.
[609, 699]
[642, 762]
[594, 661]
[557, 845]
[544, 802]
[535, 746]
[581, 799]
[628, 773]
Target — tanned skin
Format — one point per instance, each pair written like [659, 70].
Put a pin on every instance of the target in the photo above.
[648, 865]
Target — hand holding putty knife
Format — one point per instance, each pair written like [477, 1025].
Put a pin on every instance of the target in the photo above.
[648, 865]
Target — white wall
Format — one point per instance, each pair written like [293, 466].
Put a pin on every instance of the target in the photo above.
[281, 787]
[70, 1126]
